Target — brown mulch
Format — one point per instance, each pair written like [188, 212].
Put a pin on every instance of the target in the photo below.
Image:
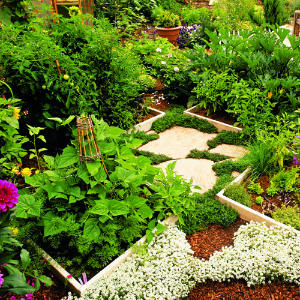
[221, 117]
[238, 290]
[205, 243]
[146, 117]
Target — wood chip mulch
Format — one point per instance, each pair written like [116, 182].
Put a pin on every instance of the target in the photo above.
[205, 243]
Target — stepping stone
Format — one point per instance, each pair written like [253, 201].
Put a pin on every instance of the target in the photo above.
[199, 170]
[177, 142]
[230, 150]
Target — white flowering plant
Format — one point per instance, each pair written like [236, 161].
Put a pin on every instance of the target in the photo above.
[259, 254]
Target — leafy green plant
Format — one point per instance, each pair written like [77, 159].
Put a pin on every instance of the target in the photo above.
[155, 158]
[284, 180]
[275, 12]
[228, 137]
[238, 193]
[255, 188]
[35, 152]
[206, 155]
[191, 16]
[91, 218]
[259, 200]
[288, 215]
[179, 119]
[11, 141]
[228, 166]
[166, 19]
[260, 158]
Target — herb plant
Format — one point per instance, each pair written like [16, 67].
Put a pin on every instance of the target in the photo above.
[238, 193]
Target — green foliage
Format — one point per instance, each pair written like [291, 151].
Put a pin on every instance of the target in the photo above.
[238, 193]
[284, 180]
[212, 89]
[275, 12]
[174, 6]
[255, 188]
[259, 200]
[191, 16]
[228, 166]
[16, 262]
[260, 158]
[13, 11]
[179, 119]
[167, 19]
[288, 215]
[146, 138]
[91, 218]
[232, 14]
[208, 211]
[11, 141]
[206, 155]
[228, 137]
[95, 75]
[256, 15]
[155, 158]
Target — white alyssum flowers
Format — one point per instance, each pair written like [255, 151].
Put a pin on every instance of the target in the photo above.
[158, 50]
[259, 253]
[165, 272]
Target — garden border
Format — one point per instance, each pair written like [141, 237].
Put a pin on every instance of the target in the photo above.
[245, 212]
[219, 125]
[74, 284]
[146, 125]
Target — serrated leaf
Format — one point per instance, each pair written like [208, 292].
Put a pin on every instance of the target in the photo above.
[160, 228]
[82, 173]
[28, 206]
[68, 158]
[118, 208]
[145, 211]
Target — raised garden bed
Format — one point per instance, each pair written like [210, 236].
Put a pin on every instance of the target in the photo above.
[245, 212]
[74, 285]
[146, 125]
[193, 112]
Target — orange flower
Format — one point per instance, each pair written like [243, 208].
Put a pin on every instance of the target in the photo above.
[270, 95]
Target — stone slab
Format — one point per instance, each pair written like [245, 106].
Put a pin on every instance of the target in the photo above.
[230, 150]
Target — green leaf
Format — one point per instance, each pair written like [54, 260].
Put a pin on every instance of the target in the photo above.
[135, 201]
[16, 283]
[36, 180]
[82, 173]
[13, 122]
[93, 167]
[68, 120]
[149, 235]
[42, 138]
[45, 279]
[160, 228]
[101, 207]
[91, 230]
[59, 120]
[118, 208]
[49, 161]
[28, 206]
[145, 211]
[151, 224]
[25, 259]
[53, 224]
[68, 158]
[114, 132]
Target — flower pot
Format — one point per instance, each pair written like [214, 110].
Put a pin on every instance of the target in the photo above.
[170, 33]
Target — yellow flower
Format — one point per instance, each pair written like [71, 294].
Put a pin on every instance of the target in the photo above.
[270, 95]
[281, 91]
[14, 230]
[25, 172]
[16, 112]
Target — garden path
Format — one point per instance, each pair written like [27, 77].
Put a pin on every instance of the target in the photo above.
[177, 142]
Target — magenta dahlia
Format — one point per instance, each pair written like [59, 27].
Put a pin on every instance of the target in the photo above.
[8, 195]
[1, 279]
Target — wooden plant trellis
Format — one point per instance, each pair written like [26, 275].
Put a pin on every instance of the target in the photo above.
[88, 145]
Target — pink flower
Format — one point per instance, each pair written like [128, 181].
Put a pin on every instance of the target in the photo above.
[170, 55]
[69, 276]
[13, 298]
[8, 195]
[176, 69]
[1, 279]
[29, 296]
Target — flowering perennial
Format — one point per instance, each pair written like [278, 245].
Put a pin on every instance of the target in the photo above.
[1, 279]
[165, 272]
[259, 253]
[8, 195]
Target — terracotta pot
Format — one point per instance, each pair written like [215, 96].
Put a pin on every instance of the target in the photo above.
[170, 33]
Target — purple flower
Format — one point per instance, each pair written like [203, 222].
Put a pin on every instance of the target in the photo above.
[1, 279]
[8, 195]
[29, 296]
[296, 162]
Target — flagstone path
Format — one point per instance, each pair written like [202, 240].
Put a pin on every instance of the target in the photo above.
[177, 142]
